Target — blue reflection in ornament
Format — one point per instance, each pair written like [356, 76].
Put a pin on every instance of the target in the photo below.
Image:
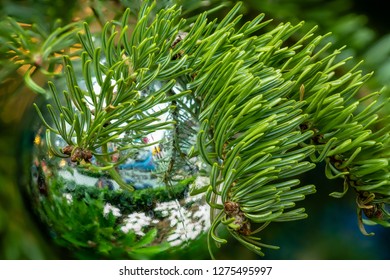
[144, 164]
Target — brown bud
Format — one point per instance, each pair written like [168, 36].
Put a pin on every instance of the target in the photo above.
[373, 212]
[67, 150]
[77, 155]
[231, 208]
[87, 155]
[245, 228]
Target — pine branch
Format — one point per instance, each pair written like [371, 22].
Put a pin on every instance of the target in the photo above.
[267, 112]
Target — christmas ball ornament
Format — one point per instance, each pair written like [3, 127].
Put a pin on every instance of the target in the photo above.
[115, 189]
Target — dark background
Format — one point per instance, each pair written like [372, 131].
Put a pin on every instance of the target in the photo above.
[330, 231]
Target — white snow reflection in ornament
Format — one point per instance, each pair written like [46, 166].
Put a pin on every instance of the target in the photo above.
[182, 221]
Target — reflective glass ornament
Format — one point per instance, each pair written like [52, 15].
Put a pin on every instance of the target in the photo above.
[87, 211]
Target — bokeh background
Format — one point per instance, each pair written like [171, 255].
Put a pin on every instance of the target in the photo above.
[330, 231]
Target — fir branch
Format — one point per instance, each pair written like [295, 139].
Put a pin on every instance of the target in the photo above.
[268, 112]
